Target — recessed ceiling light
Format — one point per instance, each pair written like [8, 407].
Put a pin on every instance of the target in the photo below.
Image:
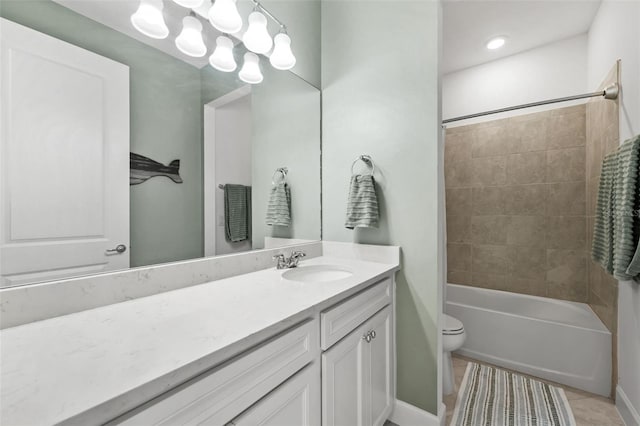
[495, 43]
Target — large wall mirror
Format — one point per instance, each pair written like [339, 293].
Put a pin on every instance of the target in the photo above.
[118, 150]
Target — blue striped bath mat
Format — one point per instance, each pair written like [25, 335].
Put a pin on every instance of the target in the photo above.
[490, 396]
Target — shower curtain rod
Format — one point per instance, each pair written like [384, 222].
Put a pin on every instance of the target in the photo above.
[610, 92]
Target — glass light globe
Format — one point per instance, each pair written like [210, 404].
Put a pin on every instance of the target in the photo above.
[250, 72]
[190, 40]
[222, 57]
[224, 16]
[282, 57]
[148, 19]
[257, 38]
[189, 4]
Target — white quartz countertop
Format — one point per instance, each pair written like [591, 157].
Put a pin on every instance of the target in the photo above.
[91, 366]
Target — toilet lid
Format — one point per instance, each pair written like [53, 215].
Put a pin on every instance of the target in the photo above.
[452, 325]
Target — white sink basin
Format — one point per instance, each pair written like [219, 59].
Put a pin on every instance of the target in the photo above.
[317, 273]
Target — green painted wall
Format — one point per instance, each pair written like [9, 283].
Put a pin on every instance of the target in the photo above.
[380, 97]
[166, 124]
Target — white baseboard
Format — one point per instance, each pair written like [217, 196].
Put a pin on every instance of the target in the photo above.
[627, 411]
[405, 414]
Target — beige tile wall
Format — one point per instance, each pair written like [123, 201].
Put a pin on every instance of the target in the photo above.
[602, 138]
[516, 204]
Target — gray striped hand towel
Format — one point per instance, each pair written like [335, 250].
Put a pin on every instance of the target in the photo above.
[237, 212]
[362, 204]
[279, 205]
[616, 232]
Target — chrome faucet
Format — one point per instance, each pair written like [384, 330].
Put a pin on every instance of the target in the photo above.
[291, 261]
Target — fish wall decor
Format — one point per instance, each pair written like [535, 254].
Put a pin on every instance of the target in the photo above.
[143, 168]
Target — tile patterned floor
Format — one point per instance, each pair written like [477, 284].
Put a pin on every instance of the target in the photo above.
[588, 409]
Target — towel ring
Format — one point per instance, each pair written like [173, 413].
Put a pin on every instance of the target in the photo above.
[283, 175]
[367, 160]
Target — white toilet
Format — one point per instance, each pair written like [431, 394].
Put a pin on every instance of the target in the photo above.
[453, 337]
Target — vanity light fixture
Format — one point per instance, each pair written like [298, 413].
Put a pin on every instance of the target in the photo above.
[224, 16]
[222, 57]
[190, 40]
[496, 43]
[148, 19]
[189, 4]
[282, 57]
[257, 38]
[250, 72]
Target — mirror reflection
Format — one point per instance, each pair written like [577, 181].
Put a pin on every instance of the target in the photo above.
[118, 150]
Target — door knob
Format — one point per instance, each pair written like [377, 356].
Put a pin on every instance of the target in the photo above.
[120, 248]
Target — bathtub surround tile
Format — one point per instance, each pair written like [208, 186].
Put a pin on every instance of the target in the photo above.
[459, 277]
[516, 284]
[459, 257]
[459, 229]
[526, 231]
[490, 259]
[458, 147]
[528, 134]
[458, 201]
[566, 232]
[527, 263]
[491, 281]
[566, 198]
[457, 174]
[488, 200]
[490, 142]
[567, 274]
[567, 130]
[489, 171]
[489, 229]
[565, 165]
[527, 189]
[525, 200]
[526, 168]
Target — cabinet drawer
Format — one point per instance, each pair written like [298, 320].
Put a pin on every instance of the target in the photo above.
[218, 396]
[296, 402]
[340, 320]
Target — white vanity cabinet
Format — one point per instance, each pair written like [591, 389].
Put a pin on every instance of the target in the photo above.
[217, 396]
[337, 368]
[358, 372]
[296, 402]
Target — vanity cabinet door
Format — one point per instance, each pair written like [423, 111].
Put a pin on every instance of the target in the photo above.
[357, 375]
[294, 403]
[343, 384]
[380, 367]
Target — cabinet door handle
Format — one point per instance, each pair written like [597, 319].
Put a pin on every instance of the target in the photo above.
[373, 334]
[367, 337]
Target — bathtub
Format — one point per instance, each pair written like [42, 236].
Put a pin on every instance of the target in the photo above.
[557, 340]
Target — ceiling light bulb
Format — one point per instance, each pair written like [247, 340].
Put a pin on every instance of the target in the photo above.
[257, 38]
[190, 40]
[189, 4]
[222, 58]
[224, 16]
[282, 57]
[495, 43]
[250, 72]
[148, 19]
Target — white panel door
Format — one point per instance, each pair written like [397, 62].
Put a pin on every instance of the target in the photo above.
[64, 157]
[296, 402]
[344, 387]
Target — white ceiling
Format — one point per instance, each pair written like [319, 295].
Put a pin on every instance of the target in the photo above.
[469, 24]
